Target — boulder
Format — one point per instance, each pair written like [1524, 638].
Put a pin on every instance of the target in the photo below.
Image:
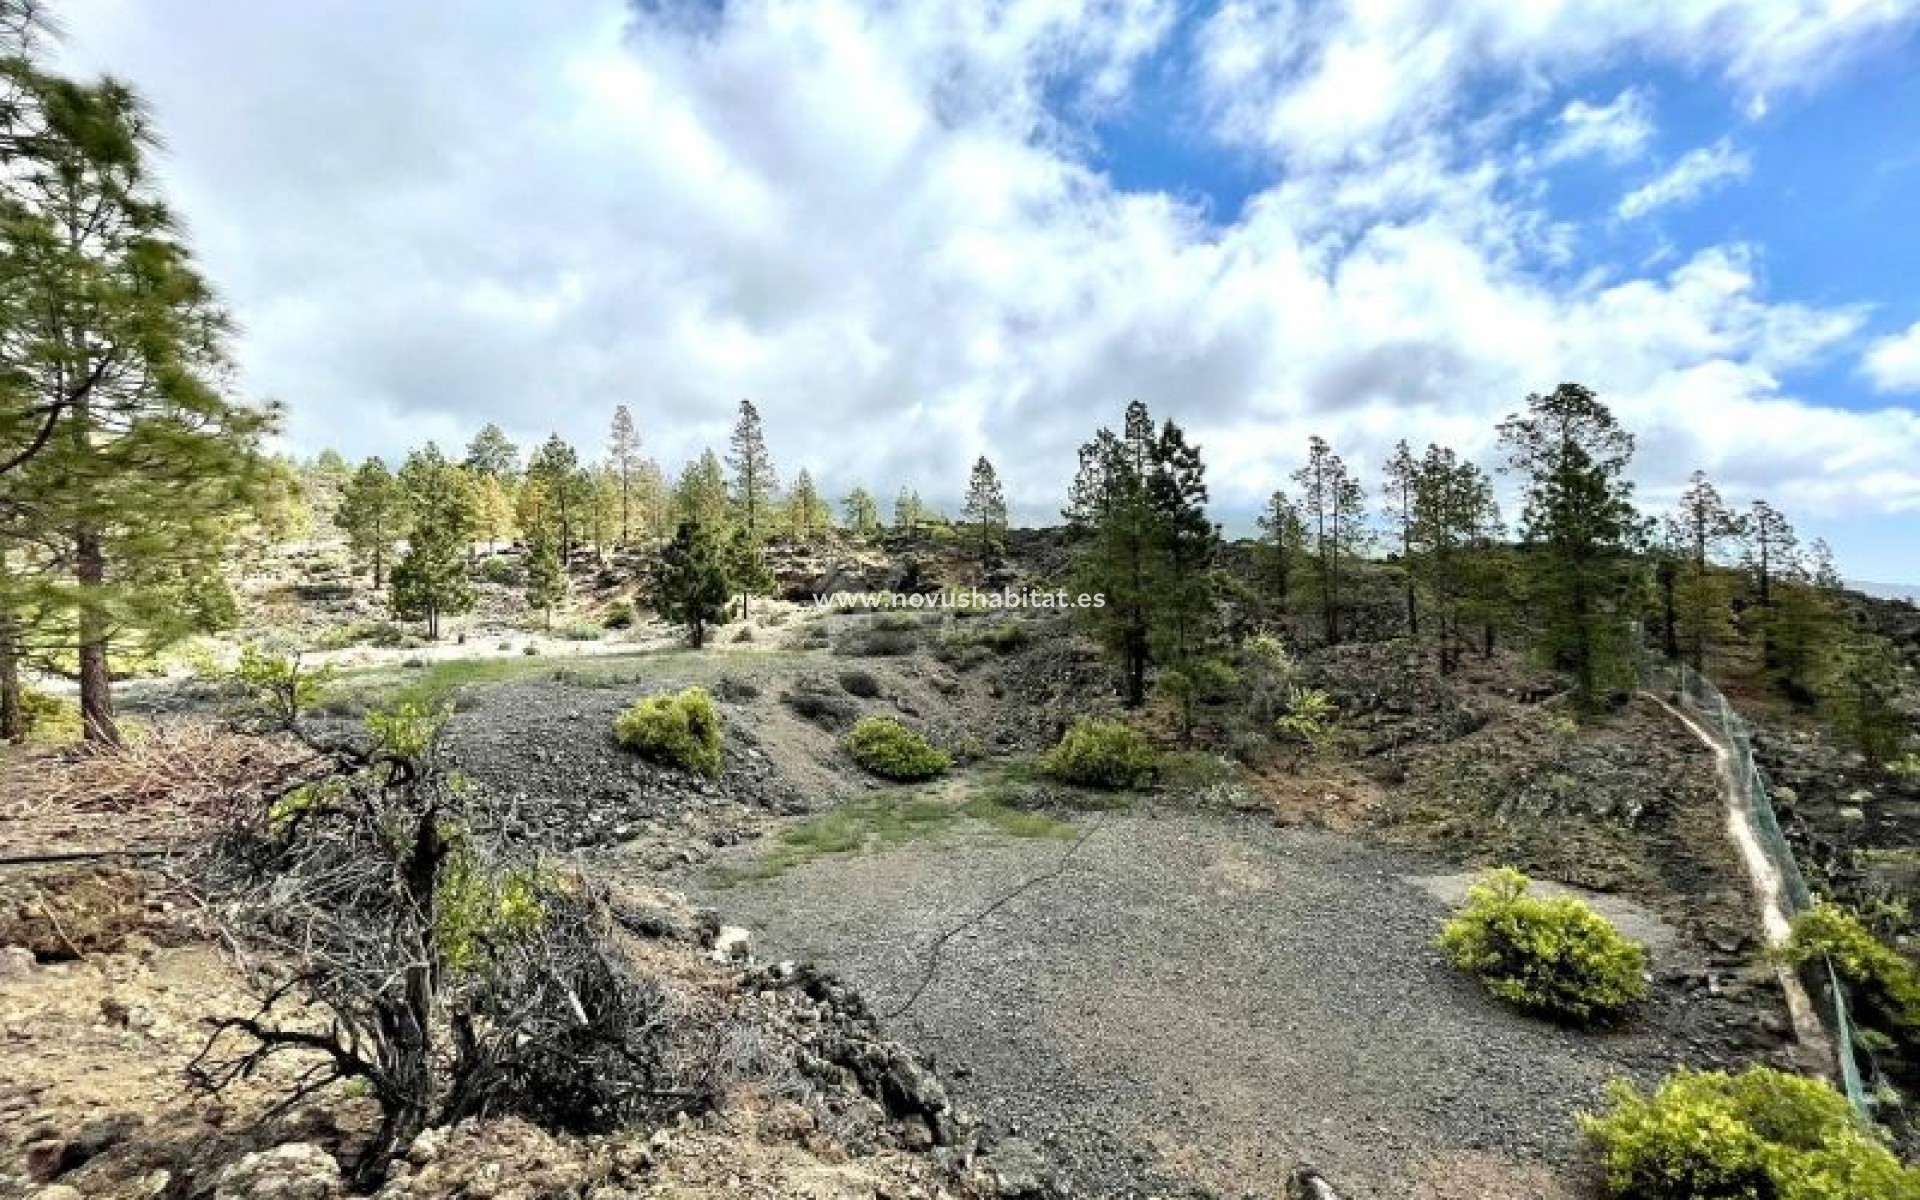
[295, 1171]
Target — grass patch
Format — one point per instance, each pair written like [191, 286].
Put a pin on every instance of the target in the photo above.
[430, 685]
[886, 821]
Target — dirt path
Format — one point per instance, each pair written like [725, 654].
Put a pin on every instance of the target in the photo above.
[1769, 890]
[1199, 1001]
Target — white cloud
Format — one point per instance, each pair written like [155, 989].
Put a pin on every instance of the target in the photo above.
[1692, 176]
[1892, 364]
[878, 223]
[1616, 131]
[1351, 79]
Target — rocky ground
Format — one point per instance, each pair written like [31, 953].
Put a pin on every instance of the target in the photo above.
[1200, 1002]
[99, 1019]
[1233, 976]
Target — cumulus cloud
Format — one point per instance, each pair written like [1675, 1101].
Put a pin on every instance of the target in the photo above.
[1892, 364]
[882, 223]
[1692, 176]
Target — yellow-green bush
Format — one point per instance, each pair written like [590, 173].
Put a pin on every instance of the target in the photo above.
[49, 718]
[890, 750]
[1101, 753]
[1886, 982]
[1555, 957]
[478, 913]
[681, 730]
[1760, 1135]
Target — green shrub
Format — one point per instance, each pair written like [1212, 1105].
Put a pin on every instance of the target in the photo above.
[681, 731]
[1308, 718]
[860, 683]
[1761, 1135]
[1005, 637]
[879, 641]
[1555, 957]
[890, 750]
[1885, 982]
[275, 687]
[502, 571]
[619, 616]
[384, 634]
[961, 650]
[46, 717]
[1101, 753]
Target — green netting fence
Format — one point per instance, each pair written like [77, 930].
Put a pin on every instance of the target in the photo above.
[1721, 722]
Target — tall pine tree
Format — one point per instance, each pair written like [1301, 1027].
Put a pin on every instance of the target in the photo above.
[371, 514]
[124, 460]
[1136, 511]
[430, 580]
[1580, 530]
[985, 510]
[1333, 505]
[754, 482]
[623, 458]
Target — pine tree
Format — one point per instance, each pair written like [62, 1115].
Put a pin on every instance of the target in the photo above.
[807, 514]
[605, 501]
[863, 514]
[1820, 565]
[492, 454]
[1580, 530]
[623, 456]
[546, 576]
[556, 467]
[1283, 540]
[1860, 690]
[1397, 504]
[985, 510]
[1136, 512]
[754, 482]
[701, 494]
[1451, 519]
[370, 516]
[493, 509]
[124, 462]
[1333, 506]
[690, 583]
[1177, 492]
[1770, 550]
[1700, 524]
[652, 499]
[430, 580]
[746, 567]
[907, 511]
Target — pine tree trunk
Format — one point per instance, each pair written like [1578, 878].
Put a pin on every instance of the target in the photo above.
[96, 681]
[13, 718]
[1669, 628]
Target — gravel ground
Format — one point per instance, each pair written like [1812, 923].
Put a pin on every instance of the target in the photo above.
[1199, 1002]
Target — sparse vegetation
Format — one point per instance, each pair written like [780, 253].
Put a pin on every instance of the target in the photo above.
[1102, 754]
[890, 820]
[890, 750]
[1885, 982]
[1555, 957]
[681, 730]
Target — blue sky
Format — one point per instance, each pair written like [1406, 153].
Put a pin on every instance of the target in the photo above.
[916, 233]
